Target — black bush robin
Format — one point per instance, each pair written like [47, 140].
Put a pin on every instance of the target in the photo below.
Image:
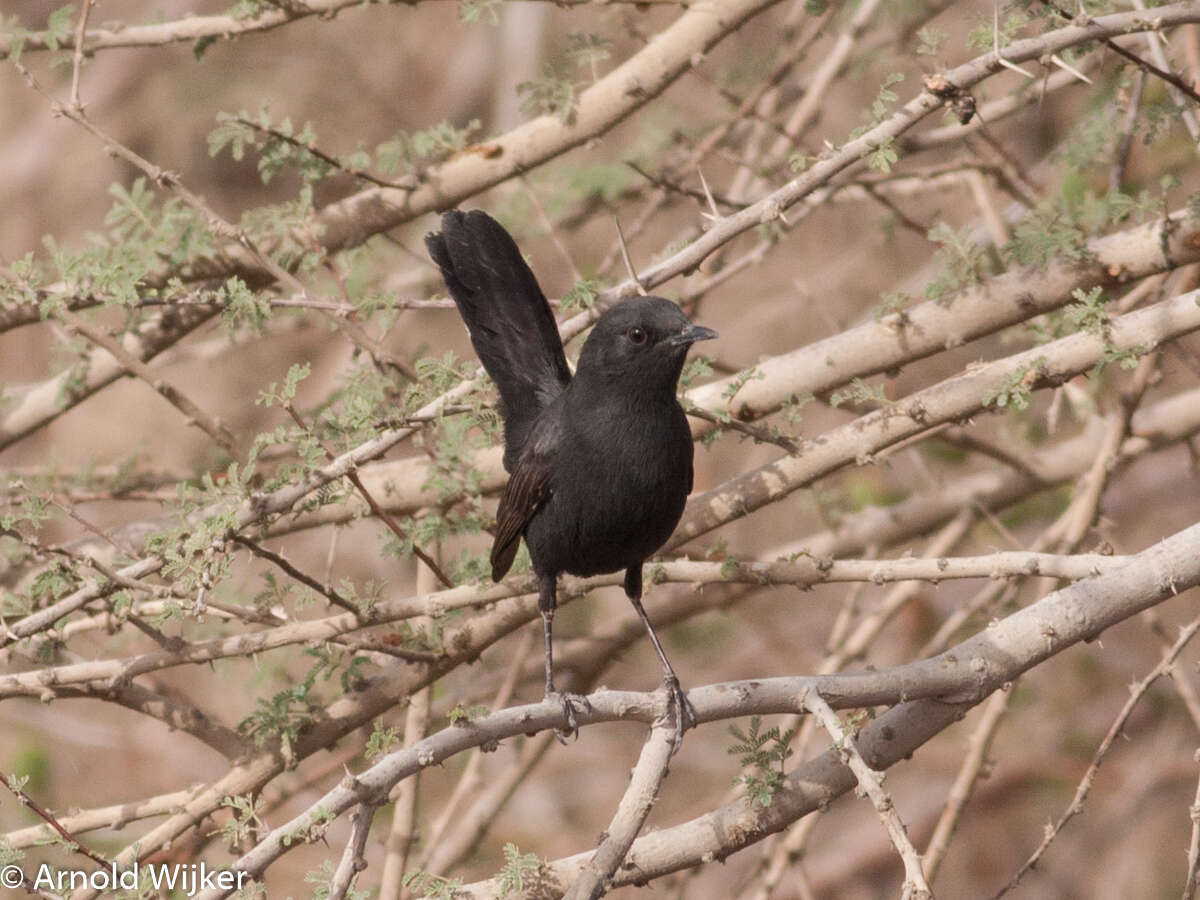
[600, 463]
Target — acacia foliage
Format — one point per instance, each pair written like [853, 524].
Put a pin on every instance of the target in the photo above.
[250, 465]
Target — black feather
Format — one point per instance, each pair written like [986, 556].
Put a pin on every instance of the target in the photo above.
[507, 316]
[601, 463]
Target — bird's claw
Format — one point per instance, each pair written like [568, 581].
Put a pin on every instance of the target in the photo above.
[568, 702]
[679, 708]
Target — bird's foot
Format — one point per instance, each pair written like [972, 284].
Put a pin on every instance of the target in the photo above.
[569, 704]
[680, 708]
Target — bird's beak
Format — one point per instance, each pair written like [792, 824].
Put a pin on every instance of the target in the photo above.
[691, 334]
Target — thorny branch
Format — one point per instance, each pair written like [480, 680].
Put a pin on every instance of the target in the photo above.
[926, 701]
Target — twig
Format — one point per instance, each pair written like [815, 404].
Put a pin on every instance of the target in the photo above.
[1075, 807]
[77, 56]
[1085, 502]
[352, 476]
[1182, 681]
[219, 226]
[352, 861]
[894, 208]
[403, 833]
[472, 824]
[324, 590]
[871, 783]
[595, 878]
[1192, 884]
[42, 402]
[703, 196]
[997, 226]
[974, 766]
[969, 440]
[407, 183]
[1116, 170]
[759, 434]
[816, 94]
[436, 857]
[195, 415]
[536, 202]
[1169, 77]
[104, 817]
[46, 816]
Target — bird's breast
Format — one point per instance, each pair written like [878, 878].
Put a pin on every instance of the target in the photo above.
[617, 492]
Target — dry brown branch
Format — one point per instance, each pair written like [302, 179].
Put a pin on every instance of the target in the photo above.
[45, 815]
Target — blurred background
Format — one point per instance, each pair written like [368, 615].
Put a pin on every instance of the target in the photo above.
[370, 73]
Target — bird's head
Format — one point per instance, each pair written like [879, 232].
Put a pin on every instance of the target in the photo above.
[644, 338]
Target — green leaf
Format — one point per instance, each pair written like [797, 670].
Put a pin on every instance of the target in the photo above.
[201, 45]
[550, 95]
[883, 156]
[59, 26]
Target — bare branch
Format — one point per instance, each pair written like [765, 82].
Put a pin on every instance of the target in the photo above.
[596, 876]
[1075, 807]
[959, 678]
[871, 784]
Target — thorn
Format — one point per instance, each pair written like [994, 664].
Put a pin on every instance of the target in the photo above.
[712, 215]
[996, 45]
[628, 262]
[1012, 65]
[1063, 64]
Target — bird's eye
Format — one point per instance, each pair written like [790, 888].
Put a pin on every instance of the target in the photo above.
[637, 335]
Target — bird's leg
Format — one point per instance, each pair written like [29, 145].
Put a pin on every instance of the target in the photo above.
[547, 627]
[547, 601]
[685, 715]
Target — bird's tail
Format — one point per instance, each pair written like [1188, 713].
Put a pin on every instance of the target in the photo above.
[507, 316]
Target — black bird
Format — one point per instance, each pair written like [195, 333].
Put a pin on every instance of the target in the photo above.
[600, 463]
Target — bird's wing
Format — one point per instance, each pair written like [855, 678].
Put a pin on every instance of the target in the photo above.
[527, 489]
[509, 320]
